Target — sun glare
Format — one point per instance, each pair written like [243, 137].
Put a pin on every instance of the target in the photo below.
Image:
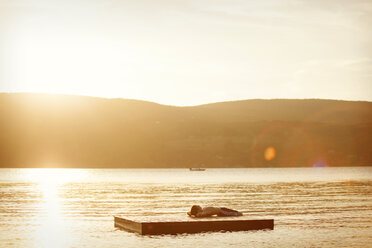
[54, 176]
[52, 231]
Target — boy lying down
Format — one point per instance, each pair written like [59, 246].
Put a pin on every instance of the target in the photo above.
[197, 211]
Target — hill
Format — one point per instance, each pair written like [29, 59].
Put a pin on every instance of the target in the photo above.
[39, 130]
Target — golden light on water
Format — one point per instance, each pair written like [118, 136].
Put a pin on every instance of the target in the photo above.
[52, 231]
[49, 177]
[270, 153]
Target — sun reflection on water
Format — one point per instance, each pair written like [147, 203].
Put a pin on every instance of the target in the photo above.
[52, 231]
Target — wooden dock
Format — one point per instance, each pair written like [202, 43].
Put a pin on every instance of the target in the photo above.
[191, 226]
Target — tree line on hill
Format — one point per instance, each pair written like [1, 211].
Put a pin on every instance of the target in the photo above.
[40, 130]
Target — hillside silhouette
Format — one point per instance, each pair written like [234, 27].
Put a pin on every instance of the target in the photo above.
[41, 130]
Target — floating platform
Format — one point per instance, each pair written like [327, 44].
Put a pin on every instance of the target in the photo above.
[191, 226]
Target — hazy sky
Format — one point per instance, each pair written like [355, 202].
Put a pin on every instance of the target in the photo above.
[187, 52]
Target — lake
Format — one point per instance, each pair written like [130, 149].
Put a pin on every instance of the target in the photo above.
[312, 207]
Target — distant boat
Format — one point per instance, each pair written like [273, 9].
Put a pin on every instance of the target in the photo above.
[197, 169]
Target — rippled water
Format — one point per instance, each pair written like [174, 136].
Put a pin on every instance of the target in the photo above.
[312, 207]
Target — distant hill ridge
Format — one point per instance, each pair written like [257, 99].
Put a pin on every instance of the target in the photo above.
[41, 130]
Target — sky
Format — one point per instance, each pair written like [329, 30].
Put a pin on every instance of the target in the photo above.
[188, 52]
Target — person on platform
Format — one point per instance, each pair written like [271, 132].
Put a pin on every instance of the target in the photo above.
[198, 212]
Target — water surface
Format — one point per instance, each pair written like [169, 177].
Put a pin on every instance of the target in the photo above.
[312, 207]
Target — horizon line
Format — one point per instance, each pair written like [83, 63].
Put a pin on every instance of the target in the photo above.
[172, 105]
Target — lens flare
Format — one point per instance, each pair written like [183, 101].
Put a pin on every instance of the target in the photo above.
[270, 153]
[320, 163]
